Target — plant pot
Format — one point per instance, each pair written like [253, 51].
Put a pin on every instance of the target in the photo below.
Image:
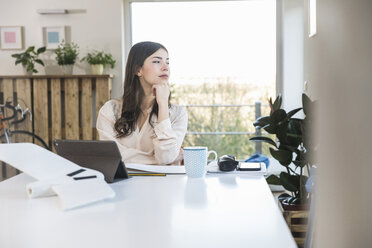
[291, 207]
[67, 69]
[25, 72]
[296, 217]
[97, 69]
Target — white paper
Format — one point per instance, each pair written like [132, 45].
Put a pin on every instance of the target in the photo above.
[40, 189]
[51, 170]
[36, 161]
[81, 193]
[43, 188]
[168, 169]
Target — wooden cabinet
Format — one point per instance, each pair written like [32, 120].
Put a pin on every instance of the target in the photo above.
[63, 106]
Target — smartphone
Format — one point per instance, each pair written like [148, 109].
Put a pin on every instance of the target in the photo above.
[249, 166]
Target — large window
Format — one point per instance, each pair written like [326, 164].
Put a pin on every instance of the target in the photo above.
[223, 60]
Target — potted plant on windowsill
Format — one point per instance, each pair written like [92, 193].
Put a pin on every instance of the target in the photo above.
[28, 59]
[294, 149]
[67, 54]
[98, 60]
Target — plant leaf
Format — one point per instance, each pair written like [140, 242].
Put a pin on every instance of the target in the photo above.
[261, 121]
[300, 160]
[294, 132]
[277, 103]
[297, 201]
[269, 128]
[30, 49]
[299, 163]
[290, 182]
[39, 61]
[283, 196]
[18, 61]
[283, 156]
[277, 116]
[294, 126]
[271, 105]
[281, 132]
[263, 139]
[306, 103]
[272, 179]
[289, 148]
[292, 112]
[41, 50]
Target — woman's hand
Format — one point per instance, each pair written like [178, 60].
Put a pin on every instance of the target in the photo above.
[161, 92]
[179, 158]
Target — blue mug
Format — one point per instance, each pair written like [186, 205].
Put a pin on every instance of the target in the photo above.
[195, 160]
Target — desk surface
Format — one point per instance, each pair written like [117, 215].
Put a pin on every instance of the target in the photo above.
[172, 211]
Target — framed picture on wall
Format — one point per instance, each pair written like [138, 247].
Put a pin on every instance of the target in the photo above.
[11, 37]
[53, 36]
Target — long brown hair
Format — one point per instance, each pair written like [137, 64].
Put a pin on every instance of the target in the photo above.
[133, 91]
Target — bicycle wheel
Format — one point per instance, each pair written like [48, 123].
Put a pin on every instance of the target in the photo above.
[18, 136]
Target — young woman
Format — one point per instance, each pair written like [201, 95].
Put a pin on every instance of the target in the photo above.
[147, 128]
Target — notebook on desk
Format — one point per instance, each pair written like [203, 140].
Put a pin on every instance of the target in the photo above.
[103, 156]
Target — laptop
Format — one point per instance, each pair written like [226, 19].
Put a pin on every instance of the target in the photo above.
[103, 156]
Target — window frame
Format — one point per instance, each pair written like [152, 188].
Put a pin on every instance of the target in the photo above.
[127, 34]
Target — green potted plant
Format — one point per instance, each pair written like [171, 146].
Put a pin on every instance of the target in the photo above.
[98, 60]
[293, 149]
[67, 54]
[28, 59]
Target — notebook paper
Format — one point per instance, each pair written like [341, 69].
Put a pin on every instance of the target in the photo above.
[52, 172]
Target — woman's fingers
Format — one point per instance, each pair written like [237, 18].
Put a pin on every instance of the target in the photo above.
[161, 91]
[179, 159]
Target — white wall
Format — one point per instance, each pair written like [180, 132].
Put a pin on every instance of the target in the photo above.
[100, 27]
[339, 69]
[291, 77]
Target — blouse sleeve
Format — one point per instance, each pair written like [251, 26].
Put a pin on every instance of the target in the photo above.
[105, 127]
[169, 136]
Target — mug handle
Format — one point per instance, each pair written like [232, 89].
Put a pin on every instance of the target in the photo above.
[215, 154]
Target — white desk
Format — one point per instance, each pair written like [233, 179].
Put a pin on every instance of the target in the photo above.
[219, 211]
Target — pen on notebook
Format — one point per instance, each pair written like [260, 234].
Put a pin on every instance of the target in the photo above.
[82, 178]
[75, 172]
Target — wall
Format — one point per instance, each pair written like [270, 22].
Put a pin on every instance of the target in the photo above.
[95, 25]
[291, 40]
[339, 63]
[100, 27]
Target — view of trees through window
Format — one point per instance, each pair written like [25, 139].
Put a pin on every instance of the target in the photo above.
[222, 60]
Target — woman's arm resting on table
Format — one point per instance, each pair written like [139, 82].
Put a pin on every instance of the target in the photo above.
[169, 137]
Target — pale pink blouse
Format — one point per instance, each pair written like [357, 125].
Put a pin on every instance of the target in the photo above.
[151, 145]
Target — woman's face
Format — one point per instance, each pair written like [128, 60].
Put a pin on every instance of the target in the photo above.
[155, 69]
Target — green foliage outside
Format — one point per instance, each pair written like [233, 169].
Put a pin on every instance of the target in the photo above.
[223, 91]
